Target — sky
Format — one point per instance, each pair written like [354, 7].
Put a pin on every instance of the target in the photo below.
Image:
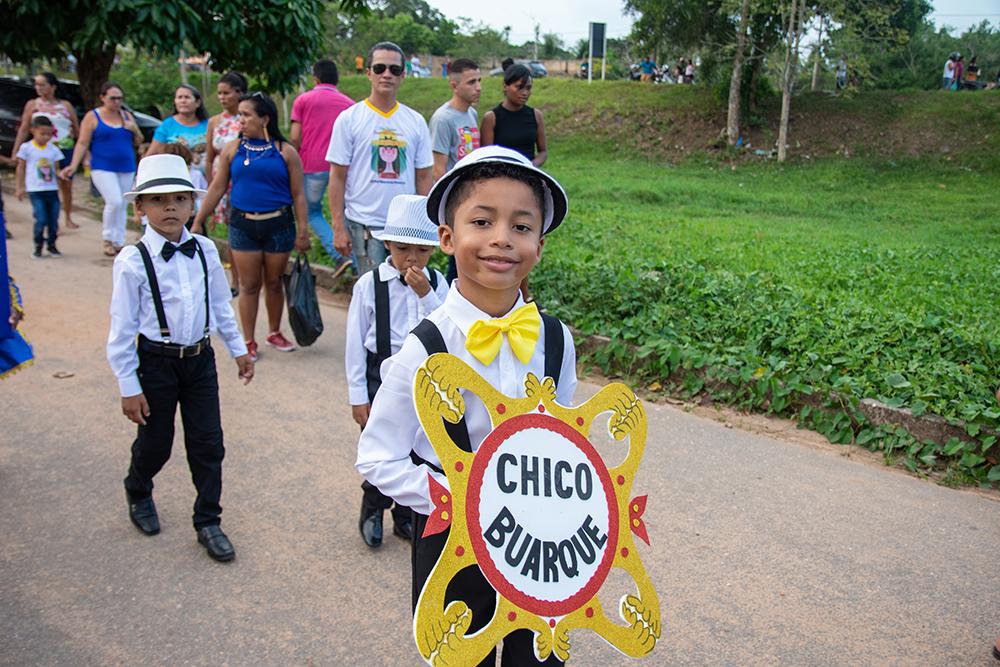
[569, 18]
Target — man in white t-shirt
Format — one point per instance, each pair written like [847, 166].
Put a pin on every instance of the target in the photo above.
[379, 149]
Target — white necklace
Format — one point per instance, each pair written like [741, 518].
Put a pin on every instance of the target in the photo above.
[250, 148]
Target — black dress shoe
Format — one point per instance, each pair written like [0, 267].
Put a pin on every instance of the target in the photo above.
[143, 514]
[371, 526]
[403, 529]
[216, 543]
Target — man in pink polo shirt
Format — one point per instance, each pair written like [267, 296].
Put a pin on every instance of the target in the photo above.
[313, 115]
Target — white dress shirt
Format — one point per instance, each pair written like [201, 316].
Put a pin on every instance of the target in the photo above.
[393, 429]
[406, 310]
[182, 289]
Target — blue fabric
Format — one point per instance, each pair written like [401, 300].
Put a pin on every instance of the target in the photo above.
[315, 187]
[261, 185]
[14, 349]
[46, 209]
[276, 235]
[194, 138]
[111, 148]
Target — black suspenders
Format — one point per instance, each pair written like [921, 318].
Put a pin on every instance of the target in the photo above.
[154, 287]
[430, 336]
[383, 339]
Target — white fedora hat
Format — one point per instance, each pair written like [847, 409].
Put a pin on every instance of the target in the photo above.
[158, 174]
[407, 222]
[556, 203]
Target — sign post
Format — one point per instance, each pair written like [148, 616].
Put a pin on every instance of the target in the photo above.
[539, 512]
[598, 48]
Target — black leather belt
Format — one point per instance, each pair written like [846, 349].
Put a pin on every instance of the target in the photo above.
[174, 351]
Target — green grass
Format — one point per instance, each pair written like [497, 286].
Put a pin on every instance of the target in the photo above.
[863, 277]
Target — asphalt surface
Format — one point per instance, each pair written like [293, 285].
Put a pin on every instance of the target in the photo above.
[763, 552]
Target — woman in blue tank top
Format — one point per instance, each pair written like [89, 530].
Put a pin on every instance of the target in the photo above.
[268, 213]
[111, 135]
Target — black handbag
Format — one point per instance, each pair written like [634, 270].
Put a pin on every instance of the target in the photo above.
[303, 305]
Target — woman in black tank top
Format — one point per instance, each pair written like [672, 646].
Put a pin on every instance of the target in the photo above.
[514, 124]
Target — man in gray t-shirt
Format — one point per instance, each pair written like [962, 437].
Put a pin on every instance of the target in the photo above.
[455, 125]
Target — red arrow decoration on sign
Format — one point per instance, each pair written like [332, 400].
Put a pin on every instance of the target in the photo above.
[636, 508]
[440, 518]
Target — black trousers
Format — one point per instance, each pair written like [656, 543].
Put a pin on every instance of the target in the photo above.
[373, 500]
[194, 384]
[471, 587]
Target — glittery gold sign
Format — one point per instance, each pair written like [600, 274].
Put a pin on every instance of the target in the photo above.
[540, 513]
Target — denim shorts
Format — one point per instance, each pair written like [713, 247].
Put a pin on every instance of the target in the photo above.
[275, 235]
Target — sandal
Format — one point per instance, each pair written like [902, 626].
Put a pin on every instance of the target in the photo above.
[109, 249]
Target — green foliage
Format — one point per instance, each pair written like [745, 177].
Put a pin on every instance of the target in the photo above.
[797, 289]
[238, 35]
[765, 285]
[919, 63]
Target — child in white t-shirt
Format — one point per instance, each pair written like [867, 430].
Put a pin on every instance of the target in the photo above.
[37, 162]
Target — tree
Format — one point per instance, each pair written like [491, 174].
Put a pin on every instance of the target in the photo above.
[792, 36]
[733, 112]
[272, 40]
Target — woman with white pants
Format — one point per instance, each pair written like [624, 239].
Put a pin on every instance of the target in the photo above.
[111, 134]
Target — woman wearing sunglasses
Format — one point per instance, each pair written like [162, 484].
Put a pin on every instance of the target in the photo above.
[379, 149]
[267, 200]
[111, 135]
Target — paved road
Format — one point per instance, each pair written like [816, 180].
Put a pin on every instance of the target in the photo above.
[763, 552]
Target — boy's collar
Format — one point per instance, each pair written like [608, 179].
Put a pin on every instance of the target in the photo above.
[37, 145]
[464, 313]
[155, 241]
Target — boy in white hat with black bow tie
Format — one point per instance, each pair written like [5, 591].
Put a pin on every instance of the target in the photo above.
[170, 291]
[494, 210]
[387, 303]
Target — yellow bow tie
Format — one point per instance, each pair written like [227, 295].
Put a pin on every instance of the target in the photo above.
[522, 328]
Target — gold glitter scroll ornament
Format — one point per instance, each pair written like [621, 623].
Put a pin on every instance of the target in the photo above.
[540, 513]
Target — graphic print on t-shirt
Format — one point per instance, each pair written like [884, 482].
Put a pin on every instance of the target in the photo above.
[468, 141]
[388, 156]
[44, 170]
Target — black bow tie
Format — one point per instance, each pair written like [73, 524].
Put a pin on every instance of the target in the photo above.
[188, 248]
[402, 278]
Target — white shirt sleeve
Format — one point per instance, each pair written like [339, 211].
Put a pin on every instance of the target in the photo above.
[122, 355]
[567, 375]
[341, 148]
[431, 301]
[359, 321]
[223, 319]
[385, 444]
[425, 156]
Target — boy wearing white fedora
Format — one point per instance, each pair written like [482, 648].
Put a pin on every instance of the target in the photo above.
[387, 303]
[169, 293]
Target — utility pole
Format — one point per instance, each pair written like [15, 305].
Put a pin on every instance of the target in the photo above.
[538, 30]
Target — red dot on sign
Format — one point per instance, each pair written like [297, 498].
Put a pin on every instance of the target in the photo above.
[624, 552]
[590, 612]
[501, 408]
[579, 421]
[552, 622]
[459, 551]
[541, 408]
[459, 467]
[621, 479]
[511, 616]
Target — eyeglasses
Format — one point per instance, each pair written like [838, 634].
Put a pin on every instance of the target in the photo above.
[395, 70]
[118, 98]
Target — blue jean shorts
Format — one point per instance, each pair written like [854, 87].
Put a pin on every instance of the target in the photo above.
[274, 235]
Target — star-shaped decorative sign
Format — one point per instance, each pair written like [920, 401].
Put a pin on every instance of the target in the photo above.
[539, 512]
